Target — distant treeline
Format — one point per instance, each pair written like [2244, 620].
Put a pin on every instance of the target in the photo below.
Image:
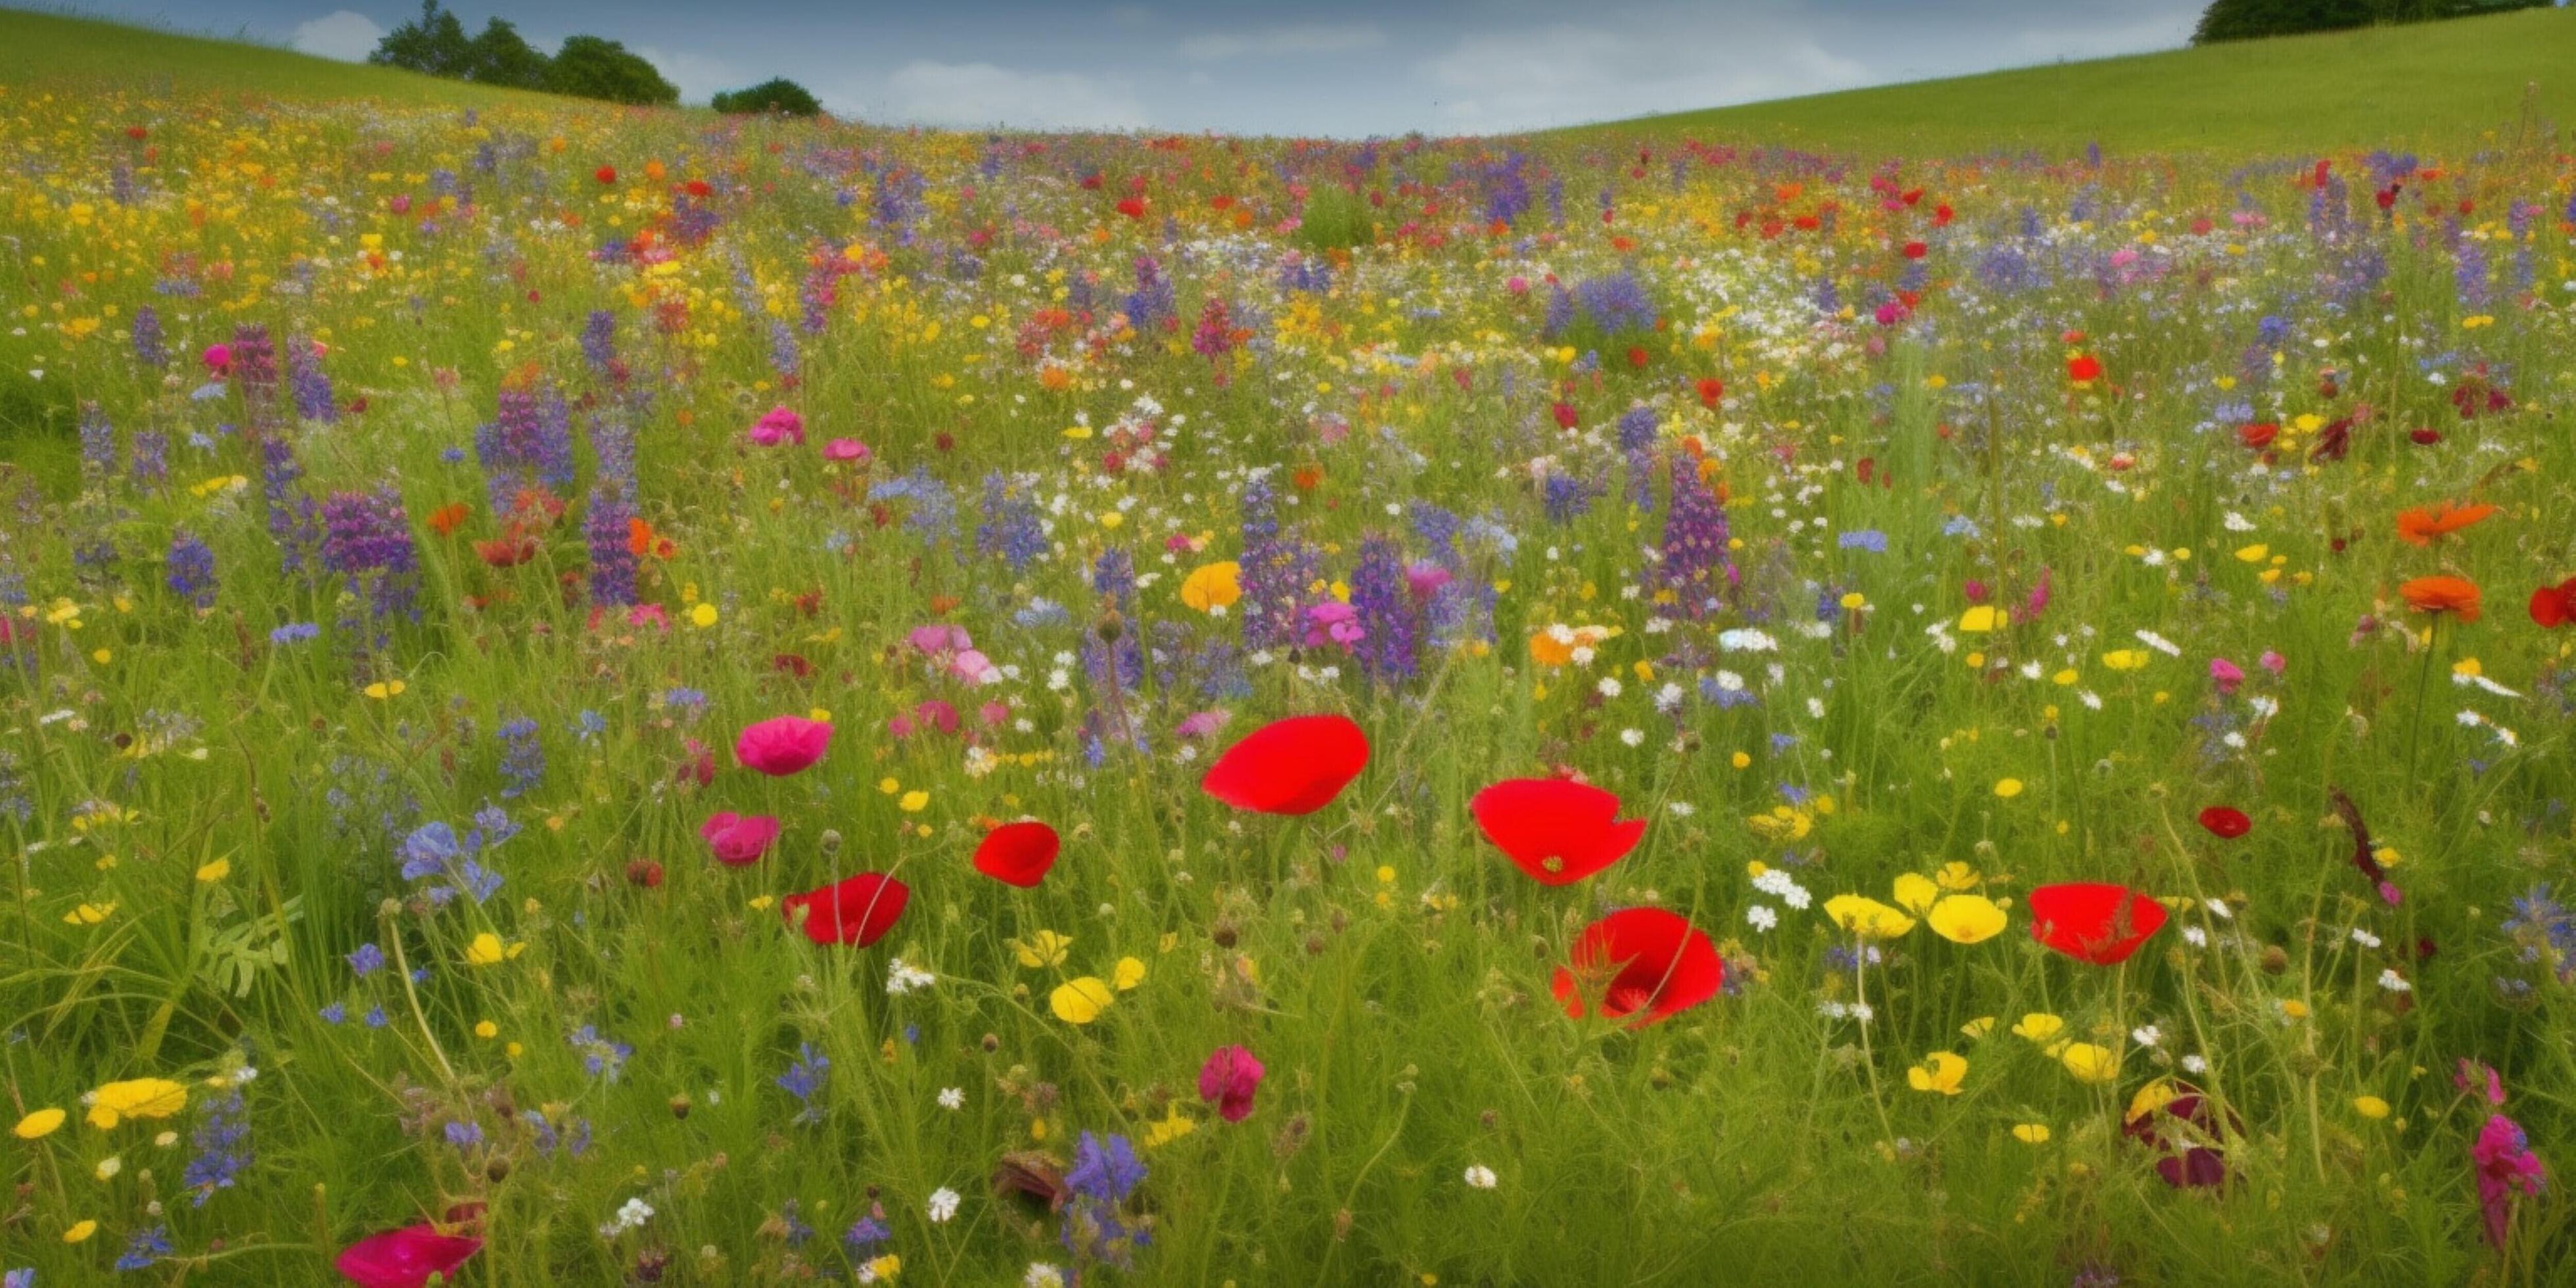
[586, 66]
[2249, 19]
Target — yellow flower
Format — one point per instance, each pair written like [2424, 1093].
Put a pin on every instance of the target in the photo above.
[1980, 619]
[1978, 1027]
[1956, 876]
[486, 1030]
[1128, 974]
[2150, 1098]
[383, 690]
[486, 950]
[2031, 1133]
[914, 801]
[2090, 1063]
[1044, 949]
[1941, 1071]
[2125, 659]
[2370, 1106]
[2007, 788]
[135, 1098]
[703, 616]
[216, 871]
[1867, 917]
[1212, 587]
[886, 1267]
[1915, 893]
[1174, 1125]
[2038, 1026]
[38, 1125]
[89, 914]
[1966, 918]
[1080, 1001]
[80, 1231]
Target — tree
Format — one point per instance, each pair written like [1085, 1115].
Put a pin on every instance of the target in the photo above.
[777, 94]
[2250, 19]
[594, 67]
[434, 43]
[501, 56]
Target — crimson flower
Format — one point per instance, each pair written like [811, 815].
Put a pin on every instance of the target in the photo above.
[605, 174]
[2225, 823]
[1292, 766]
[738, 839]
[2084, 367]
[2554, 606]
[1228, 1080]
[1558, 832]
[2092, 921]
[782, 745]
[1658, 965]
[1018, 853]
[2178, 1120]
[405, 1258]
[856, 911]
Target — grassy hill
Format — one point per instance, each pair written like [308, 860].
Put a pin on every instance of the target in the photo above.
[2439, 84]
[62, 52]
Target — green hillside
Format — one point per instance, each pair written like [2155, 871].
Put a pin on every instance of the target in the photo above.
[61, 52]
[2439, 84]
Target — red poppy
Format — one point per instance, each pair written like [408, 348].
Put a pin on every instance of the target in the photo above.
[1564, 412]
[1132, 207]
[858, 910]
[605, 174]
[2425, 437]
[1018, 853]
[2093, 921]
[1558, 832]
[1658, 966]
[405, 1258]
[2554, 606]
[2083, 366]
[1292, 766]
[2224, 823]
[446, 519]
[509, 550]
[1916, 250]
[1710, 390]
[2258, 436]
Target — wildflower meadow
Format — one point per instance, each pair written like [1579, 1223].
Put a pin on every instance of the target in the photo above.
[619, 695]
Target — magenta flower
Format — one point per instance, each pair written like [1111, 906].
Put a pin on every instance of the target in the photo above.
[1229, 1079]
[2477, 1078]
[2505, 1164]
[782, 745]
[219, 359]
[779, 426]
[2227, 675]
[953, 650]
[405, 1258]
[739, 840]
[845, 449]
[1333, 622]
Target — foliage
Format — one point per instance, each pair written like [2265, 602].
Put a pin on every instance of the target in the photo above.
[777, 94]
[593, 67]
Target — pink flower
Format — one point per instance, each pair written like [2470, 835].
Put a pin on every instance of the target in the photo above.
[1229, 1079]
[2273, 662]
[737, 839]
[2476, 1078]
[1333, 622]
[2505, 1163]
[405, 1258]
[1204, 724]
[219, 359]
[782, 745]
[779, 426]
[2227, 674]
[951, 648]
[1425, 579]
[845, 449]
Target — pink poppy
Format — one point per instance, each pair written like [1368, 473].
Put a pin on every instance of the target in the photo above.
[2226, 674]
[1292, 766]
[219, 359]
[739, 840]
[780, 425]
[1229, 1079]
[782, 745]
[845, 449]
[856, 911]
[405, 1258]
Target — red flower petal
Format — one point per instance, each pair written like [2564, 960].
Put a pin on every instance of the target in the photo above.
[2094, 922]
[856, 911]
[1018, 853]
[1558, 832]
[405, 1258]
[2224, 823]
[1292, 766]
[2554, 606]
[1659, 966]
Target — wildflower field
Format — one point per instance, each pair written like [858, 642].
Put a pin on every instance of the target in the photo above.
[596, 696]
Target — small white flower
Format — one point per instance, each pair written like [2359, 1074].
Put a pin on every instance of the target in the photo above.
[2195, 936]
[1760, 916]
[943, 1205]
[1682, 809]
[2194, 1064]
[2364, 938]
[2394, 982]
[1042, 1275]
[2146, 1035]
[1608, 687]
[952, 1098]
[1633, 737]
[1481, 1177]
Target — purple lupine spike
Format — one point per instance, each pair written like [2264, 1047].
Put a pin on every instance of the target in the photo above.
[309, 384]
[612, 561]
[367, 539]
[1386, 607]
[1695, 537]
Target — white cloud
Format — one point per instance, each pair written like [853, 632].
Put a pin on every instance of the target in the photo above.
[981, 94]
[342, 34]
[1564, 74]
[1273, 42]
[698, 75]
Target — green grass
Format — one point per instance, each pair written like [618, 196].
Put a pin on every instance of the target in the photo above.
[63, 52]
[2435, 84]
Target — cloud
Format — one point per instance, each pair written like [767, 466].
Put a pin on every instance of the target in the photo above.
[1562, 74]
[981, 94]
[341, 34]
[1274, 42]
[698, 75]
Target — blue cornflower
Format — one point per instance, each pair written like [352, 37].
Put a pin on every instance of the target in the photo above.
[367, 960]
[144, 1247]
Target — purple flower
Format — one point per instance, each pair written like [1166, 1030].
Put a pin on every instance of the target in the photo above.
[1695, 540]
[1385, 606]
[191, 569]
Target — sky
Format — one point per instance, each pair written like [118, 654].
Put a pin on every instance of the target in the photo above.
[1341, 68]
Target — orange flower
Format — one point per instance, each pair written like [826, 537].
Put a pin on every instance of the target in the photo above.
[2442, 595]
[2419, 526]
[446, 519]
